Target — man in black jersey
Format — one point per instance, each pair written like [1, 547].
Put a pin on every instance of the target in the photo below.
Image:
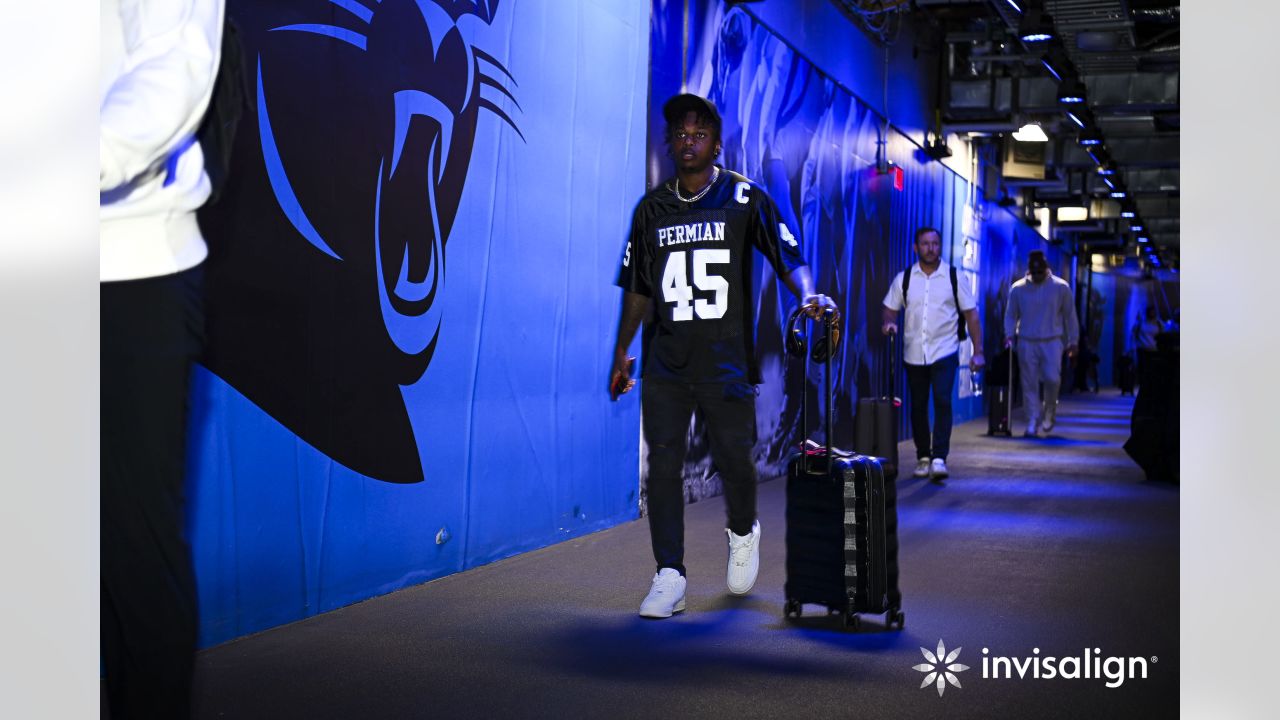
[688, 261]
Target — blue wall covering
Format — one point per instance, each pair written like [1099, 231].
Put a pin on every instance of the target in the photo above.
[410, 313]
[813, 145]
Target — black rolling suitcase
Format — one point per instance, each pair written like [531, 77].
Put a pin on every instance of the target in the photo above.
[1000, 397]
[842, 529]
[875, 426]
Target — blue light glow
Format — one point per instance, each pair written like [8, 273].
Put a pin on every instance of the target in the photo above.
[1048, 65]
[1014, 4]
[1071, 99]
[1117, 193]
[1076, 119]
[1090, 141]
[1135, 228]
[1142, 240]
[1037, 37]
[1129, 214]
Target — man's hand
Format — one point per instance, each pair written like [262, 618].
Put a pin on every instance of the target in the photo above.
[977, 362]
[815, 305]
[889, 328]
[1071, 351]
[620, 381]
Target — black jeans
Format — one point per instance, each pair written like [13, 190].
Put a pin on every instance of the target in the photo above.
[940, 377]
[151, 329]
[729, 413]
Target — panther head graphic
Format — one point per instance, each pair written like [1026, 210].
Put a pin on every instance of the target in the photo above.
[411, 75]
[327, 264]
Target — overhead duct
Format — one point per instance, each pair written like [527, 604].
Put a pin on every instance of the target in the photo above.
[1112, 92]
[1137, 152]
[1133, 91]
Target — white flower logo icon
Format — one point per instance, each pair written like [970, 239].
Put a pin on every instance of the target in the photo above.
[941, 668]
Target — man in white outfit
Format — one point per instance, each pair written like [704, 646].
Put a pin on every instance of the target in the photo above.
[1042, 314]
[159, 60]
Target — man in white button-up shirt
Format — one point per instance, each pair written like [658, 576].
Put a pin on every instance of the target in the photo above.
[935, 300]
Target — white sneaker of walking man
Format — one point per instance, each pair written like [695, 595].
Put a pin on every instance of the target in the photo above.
[744, 560]
[666, 595]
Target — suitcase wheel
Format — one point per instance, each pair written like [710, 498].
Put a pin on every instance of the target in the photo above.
[895, 617]
[792, 609]
[851, 621]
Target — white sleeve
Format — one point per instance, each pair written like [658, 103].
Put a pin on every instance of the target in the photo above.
[967, 301]
[160, 98]
[893, 298]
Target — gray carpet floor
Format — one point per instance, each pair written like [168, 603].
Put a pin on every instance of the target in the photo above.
[1033, 548]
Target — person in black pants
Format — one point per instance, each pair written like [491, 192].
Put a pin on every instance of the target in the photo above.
[940, 312]
[152, 329]
[688, 261]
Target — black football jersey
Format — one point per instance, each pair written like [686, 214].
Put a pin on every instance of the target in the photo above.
[694, 260]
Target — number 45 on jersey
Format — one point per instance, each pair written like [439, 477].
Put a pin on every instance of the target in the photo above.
[676, 288]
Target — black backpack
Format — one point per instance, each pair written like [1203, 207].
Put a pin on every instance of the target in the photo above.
[217, 132]
[955, 294]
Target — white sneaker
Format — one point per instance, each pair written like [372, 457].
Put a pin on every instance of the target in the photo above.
[922, 468]
[744, 560]
[666, 595]
[1033, 428]
[939, 469]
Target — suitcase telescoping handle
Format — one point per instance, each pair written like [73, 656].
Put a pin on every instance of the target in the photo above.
[822, 350]
[893, 367]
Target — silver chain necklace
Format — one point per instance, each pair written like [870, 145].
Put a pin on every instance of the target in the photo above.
[675, 186]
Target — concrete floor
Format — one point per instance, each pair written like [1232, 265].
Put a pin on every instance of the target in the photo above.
[1054, 544]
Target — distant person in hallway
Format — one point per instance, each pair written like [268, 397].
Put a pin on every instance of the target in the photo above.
[1146, 330]
[935, 301]
[1144, 337]
[159, 63]
[685, 267]
[1041, 314]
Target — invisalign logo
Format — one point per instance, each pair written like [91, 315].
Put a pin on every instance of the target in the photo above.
[1116, 670]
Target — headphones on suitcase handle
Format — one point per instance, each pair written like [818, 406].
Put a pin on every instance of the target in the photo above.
[823, 347]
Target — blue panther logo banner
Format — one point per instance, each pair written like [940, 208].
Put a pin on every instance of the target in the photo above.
[328, 257]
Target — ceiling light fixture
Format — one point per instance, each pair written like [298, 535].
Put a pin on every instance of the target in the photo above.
[1035, 27]
[1071, 92]
[1031, 132]
[1073, 214]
